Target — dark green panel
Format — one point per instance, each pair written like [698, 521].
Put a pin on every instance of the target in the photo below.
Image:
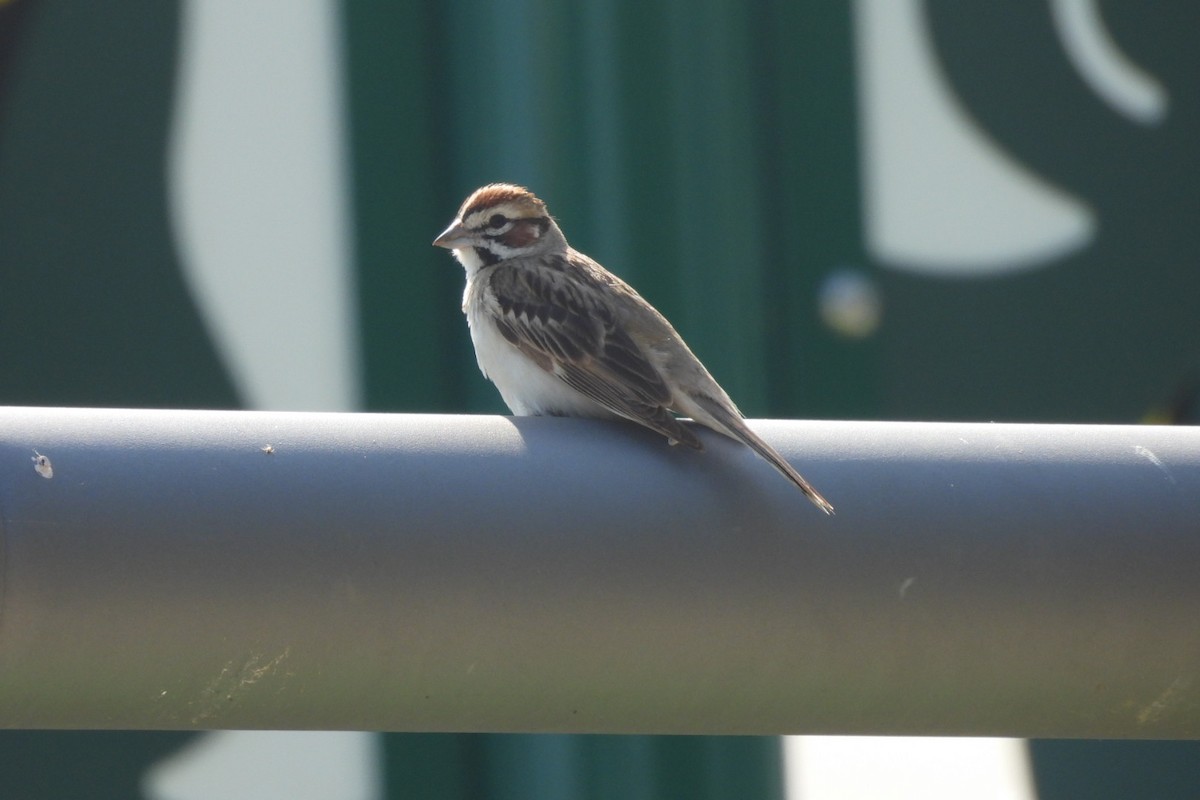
[623, 767]
[714, 217]
[13, 19]
[554, 767]
[532, 767]
[1109, 770]
[94, 310]
[719, 768]
[808, 124]
[101, 765]
[432, 766]
[638, 216]
[414, 339]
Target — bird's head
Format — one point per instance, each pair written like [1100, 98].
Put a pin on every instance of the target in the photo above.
[498, 222]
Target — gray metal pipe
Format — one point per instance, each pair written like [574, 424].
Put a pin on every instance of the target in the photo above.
[185, 569]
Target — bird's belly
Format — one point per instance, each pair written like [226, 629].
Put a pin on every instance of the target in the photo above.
[527, 389]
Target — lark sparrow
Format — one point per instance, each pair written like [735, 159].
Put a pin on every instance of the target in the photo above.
[560, 335]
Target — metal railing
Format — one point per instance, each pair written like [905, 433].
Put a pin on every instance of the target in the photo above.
[187, 569]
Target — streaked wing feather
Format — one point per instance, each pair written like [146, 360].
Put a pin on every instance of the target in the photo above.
[570, 332]
[608, 394]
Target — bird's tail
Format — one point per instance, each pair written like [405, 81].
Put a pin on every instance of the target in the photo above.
[732, 424]
[778, 462]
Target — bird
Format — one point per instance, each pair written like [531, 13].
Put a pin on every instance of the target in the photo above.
[560, 335]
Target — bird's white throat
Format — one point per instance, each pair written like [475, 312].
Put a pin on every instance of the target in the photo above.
[470, 260]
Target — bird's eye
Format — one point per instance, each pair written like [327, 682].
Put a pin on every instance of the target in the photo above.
[497, 221]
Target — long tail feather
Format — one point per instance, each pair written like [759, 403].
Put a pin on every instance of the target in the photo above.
[730, 423]
[787, 470]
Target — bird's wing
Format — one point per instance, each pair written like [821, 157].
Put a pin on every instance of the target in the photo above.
[563, 321]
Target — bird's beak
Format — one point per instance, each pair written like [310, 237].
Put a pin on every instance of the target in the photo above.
[454, 237]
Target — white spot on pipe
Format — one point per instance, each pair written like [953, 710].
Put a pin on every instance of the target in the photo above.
[42, 465]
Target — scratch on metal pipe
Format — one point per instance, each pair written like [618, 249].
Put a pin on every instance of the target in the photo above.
[1155, 709]
[235, 680]
[1148, 454]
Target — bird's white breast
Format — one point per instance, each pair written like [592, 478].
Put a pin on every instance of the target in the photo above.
[527, 389]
